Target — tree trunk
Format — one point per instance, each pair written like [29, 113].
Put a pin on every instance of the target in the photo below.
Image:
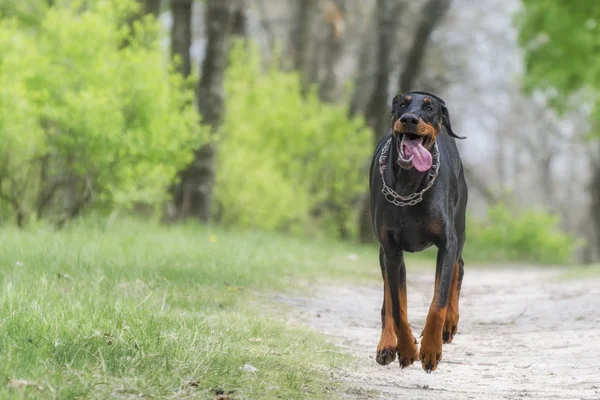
[181, 34]
[333, 50]
[377, 109]
[363, 78]
[146, 7]
[181, 41]
[594, 187]
[591, 226]
[300, 47]
[198, 179]
[151, 7]
[240, 22]
[357, 106]
[546, 179]
[433, 12]
[266, 24]
[333, 44]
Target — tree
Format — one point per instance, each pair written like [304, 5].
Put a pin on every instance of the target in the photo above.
[560, 41]
[561, 48]
[181, 34]
[432, 13]
[301, 45]
[240, 20]
[378, 103]
[181, 41]
[195, 192]
[270, 175]
[377, 106]
[333, 48]
[26, 12]
[77, 130]
[363, 75]
[142, 8]
[150, 7]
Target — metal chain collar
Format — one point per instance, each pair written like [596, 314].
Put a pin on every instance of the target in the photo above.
[414, 198]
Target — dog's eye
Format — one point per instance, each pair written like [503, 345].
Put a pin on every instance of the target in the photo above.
[429, 109]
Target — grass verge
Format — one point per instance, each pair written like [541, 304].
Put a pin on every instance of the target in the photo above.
[137, 310]
[582, 272]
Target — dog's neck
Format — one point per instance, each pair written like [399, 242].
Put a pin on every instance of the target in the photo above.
[405, 181]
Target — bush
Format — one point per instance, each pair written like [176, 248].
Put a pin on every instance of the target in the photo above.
[27, 12]
[287, 161]
[531, 235]
[85, 118]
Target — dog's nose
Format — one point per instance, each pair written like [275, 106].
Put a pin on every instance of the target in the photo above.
[409, 120]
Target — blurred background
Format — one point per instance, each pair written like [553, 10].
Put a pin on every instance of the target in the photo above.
[263, 114]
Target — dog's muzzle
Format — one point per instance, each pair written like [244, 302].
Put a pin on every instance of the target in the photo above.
[413, 153]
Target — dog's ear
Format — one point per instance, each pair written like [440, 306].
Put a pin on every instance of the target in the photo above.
[446, 122]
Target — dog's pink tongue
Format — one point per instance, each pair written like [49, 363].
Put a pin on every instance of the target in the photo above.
[421, 157]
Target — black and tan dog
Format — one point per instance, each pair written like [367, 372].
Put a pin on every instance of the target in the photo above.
[418, 199]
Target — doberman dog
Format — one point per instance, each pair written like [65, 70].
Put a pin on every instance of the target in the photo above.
[418, 199]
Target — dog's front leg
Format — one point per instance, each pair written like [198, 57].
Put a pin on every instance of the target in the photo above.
[395, 277]
[388, 343]
[431, 344]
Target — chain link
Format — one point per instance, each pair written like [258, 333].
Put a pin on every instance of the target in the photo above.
[413, 198]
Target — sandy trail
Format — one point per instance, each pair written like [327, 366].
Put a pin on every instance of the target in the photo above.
[522, 334]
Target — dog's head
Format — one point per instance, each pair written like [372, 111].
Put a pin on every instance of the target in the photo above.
[417, 119]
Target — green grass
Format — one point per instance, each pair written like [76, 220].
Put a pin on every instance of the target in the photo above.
[137, 309]
[582, 272]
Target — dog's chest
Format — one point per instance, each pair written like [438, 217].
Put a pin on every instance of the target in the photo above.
[410, 228]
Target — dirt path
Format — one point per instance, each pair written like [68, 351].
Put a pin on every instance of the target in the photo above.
[522, 335]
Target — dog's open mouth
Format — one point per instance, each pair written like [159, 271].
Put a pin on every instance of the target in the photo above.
[413, 151]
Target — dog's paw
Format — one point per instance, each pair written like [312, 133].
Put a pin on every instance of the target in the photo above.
[450, 326]
[386, 355]
[409, 358]
[408, 352]
[387, 347]
[430, 353]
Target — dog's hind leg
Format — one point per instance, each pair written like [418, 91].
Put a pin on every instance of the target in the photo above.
[431, 344]
[396, 279]
[451, 323]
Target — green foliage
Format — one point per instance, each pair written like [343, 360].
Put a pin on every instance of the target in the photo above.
[561, 40]
[83, 116]
[531, 235]
[28, 12]
[287, 161]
